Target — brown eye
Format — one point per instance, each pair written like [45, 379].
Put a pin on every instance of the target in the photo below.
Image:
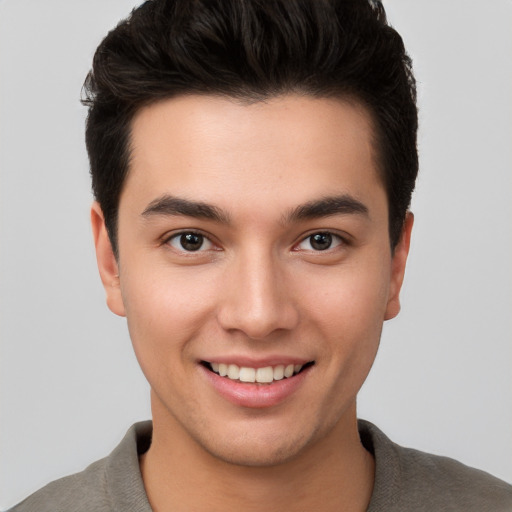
[189, 242]
[321, 241]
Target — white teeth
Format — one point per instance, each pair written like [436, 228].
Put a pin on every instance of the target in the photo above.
[263, 375]
[279, 372]
[247, 374]
[233, 372]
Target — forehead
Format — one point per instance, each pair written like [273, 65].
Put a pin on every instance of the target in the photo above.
[219, 150]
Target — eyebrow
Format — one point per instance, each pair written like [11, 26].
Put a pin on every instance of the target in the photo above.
[327, 206]
[171, 205]
[324, 207]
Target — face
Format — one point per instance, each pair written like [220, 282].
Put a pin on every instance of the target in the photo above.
[253, 241]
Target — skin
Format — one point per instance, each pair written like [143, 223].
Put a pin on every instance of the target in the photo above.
[256, 289]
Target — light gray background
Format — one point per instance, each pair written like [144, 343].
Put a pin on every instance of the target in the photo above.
[70, 385]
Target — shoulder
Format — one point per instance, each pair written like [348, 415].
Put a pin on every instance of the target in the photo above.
[82, 491]
[448, 482]
[112, 483]
[408, 479]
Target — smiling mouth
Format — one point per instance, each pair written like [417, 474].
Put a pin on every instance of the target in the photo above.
[265, 375]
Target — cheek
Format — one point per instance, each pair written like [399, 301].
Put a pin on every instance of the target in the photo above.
[164, 312]
[351, 297]
[347, 311]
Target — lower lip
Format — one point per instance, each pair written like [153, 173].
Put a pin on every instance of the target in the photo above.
[255, 395]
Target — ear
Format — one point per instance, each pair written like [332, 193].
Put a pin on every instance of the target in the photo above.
[107, 263]
[398, 263]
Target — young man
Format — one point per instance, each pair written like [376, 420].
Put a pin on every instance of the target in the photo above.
[253, 164]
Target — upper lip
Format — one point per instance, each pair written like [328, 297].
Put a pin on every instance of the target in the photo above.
[251, 362]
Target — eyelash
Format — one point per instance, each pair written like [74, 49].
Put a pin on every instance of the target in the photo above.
[337, 239]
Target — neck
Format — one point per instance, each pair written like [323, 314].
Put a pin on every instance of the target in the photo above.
[334, 474]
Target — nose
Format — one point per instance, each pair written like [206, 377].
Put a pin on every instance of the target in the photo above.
[256, 298]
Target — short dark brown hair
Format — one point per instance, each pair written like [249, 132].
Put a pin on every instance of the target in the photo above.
[252, 50]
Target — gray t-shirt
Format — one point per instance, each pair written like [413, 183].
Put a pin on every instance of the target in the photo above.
[405, 480]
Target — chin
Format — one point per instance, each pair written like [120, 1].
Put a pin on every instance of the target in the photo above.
[256, 451]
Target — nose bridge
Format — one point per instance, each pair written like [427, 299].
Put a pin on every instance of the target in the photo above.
[257, 301]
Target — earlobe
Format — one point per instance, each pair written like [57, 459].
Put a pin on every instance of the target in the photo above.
[398, 264]
[107, 262]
